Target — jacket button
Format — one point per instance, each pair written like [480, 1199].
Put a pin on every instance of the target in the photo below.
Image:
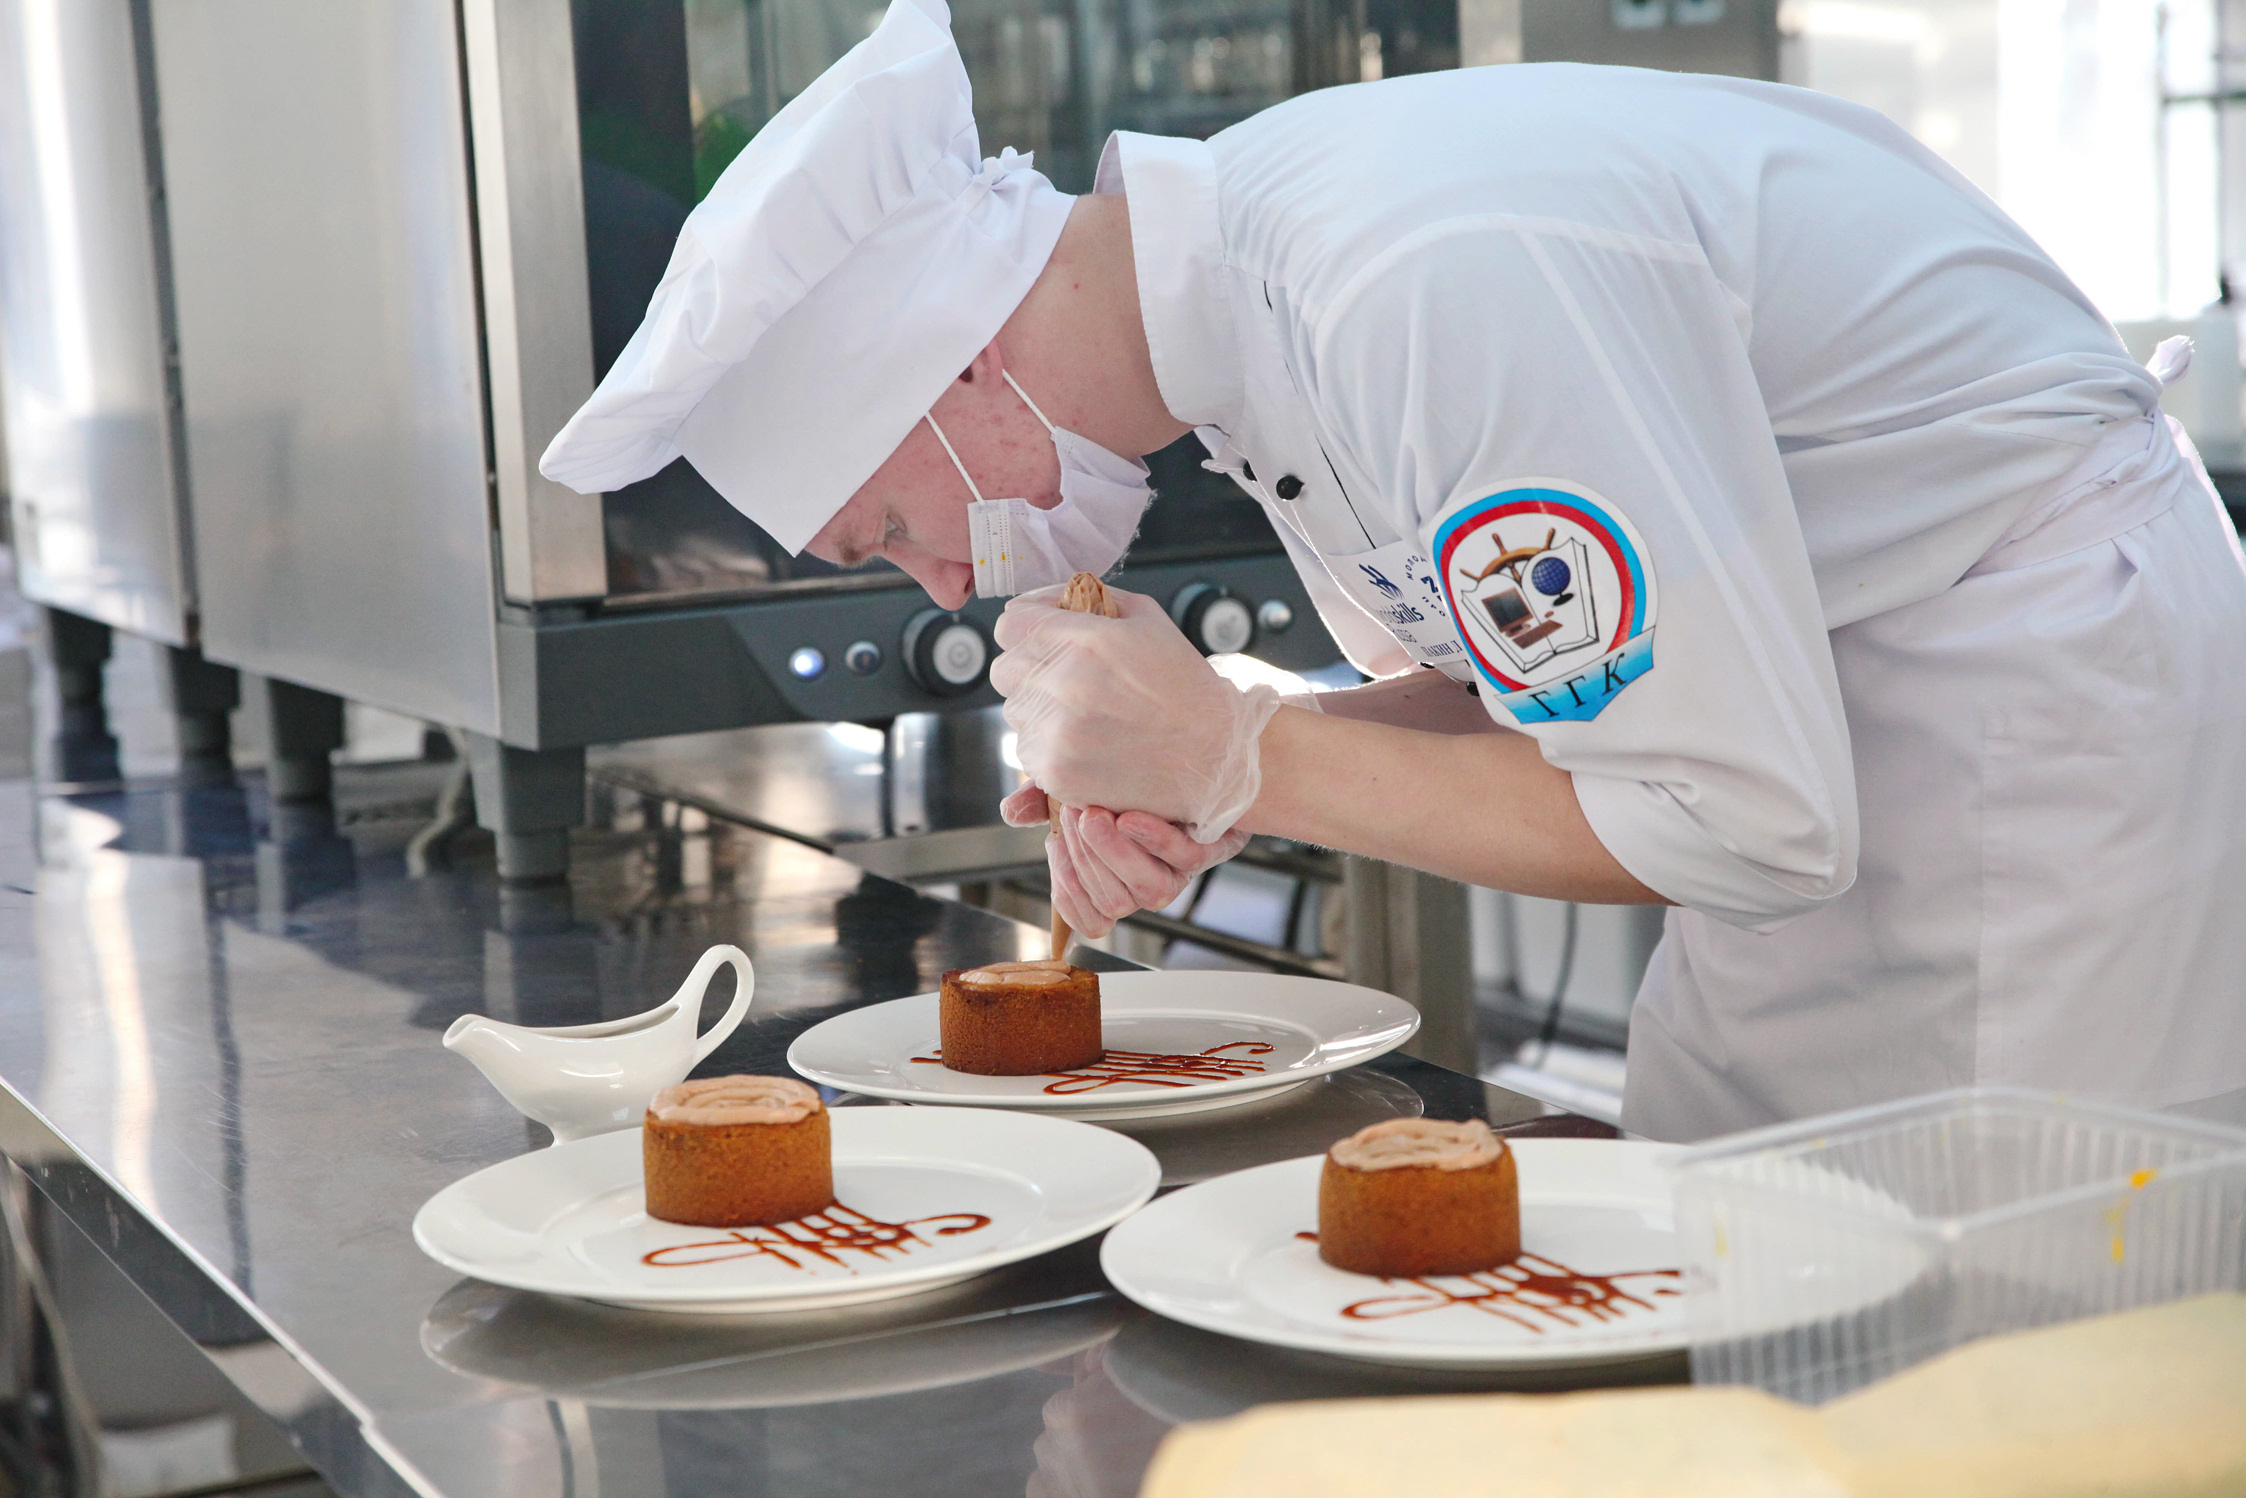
[1289, 486]
[1249, 469]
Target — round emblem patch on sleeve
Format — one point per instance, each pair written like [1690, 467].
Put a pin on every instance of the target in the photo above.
[1553, 594]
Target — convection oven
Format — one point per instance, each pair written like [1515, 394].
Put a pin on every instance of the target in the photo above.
[360, 260]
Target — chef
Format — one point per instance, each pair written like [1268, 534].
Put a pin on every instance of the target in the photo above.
[1732, 508]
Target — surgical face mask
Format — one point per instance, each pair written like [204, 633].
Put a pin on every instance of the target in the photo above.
[1018, 546]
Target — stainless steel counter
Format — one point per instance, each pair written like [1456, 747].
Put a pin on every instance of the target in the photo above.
[219, 1044]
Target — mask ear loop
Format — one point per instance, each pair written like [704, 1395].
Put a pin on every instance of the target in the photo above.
[954, 456]
[1024, 394]
[953, 453]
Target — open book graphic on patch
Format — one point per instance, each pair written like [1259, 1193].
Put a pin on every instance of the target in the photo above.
[1539, 601]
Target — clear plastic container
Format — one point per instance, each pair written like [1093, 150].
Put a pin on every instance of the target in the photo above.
[1826, 1254]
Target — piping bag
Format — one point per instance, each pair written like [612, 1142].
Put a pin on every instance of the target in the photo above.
[1081, 594]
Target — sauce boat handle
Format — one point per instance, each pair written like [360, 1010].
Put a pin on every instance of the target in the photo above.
[697, 982]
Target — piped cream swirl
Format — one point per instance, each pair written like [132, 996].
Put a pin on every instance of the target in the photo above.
[1419, 1141]
[736, 1100]
[1018, 974]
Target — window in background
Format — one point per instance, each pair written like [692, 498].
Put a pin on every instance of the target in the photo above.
[2088, 120]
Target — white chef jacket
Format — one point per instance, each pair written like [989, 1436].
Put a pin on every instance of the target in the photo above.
[1787, 372]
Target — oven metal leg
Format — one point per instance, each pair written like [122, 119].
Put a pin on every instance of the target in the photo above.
[529, 799]
[1408, 934]
[84, 748]
[202, 697]
[304, 727]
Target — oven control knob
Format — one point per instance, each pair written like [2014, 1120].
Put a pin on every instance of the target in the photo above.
[944, 654]
[1215, 619]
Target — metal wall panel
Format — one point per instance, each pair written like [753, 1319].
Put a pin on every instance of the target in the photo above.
[324, 261]
[95, 502]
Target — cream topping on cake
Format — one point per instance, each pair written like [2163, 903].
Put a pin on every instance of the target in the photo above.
[1419, 1141]
[1018, 974]
[736, 1100]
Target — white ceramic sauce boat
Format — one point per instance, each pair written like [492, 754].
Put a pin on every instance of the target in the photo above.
[582, 1080]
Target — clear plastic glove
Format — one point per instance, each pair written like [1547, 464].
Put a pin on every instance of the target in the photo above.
[1123, 712]
[1105, 866]
[1027, 807]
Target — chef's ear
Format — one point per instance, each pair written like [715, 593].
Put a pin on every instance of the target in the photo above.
[988, 365]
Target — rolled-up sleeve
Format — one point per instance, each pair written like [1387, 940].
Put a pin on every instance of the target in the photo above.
[1496, 355]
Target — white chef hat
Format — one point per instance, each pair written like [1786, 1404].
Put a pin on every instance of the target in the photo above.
[853, 259]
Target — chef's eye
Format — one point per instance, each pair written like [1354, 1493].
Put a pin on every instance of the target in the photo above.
[892, 531]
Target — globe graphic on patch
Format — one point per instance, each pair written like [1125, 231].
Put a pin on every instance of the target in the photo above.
[1550, 576]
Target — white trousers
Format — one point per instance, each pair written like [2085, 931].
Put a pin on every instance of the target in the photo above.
[2051, 776]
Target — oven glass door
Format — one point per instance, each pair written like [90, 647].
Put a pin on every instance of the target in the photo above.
[670, 90]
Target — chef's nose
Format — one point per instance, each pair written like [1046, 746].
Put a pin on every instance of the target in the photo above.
[948, 584]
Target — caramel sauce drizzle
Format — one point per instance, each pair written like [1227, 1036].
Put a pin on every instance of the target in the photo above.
[1531, 1292]
[823, 1235]
[1152, 1068]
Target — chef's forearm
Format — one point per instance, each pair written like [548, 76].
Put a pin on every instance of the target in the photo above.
[1426, 700]
[1486, 808]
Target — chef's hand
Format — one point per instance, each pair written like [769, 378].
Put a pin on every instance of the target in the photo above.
[1105, 866]
[1027, 807]
[1123, 712]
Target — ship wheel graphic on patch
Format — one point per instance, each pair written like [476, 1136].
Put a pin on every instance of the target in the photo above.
[1526, 595]
[1549, 587]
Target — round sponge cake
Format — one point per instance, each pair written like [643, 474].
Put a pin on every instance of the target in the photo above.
[1415, 1196]
[734, 1152]
[1020, 1019]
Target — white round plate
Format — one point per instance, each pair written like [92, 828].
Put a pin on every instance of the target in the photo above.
[925, 1197]
[1178, 1042]
[1597, 1281]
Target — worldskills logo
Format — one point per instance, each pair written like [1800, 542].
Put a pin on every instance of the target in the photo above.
[1398, 612]
[1553, 595]
[1380, 580]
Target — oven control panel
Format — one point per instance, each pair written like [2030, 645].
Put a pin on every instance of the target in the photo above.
[858, 656]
